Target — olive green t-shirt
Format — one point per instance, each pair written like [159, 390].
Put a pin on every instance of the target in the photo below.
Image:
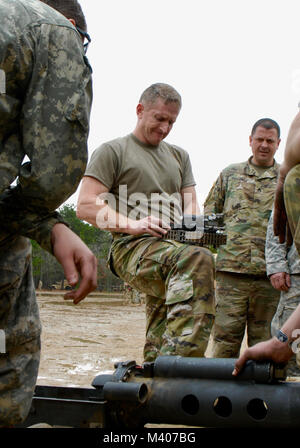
[142, 179]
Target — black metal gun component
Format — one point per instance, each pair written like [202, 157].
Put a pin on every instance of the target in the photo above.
[174, 390]
[207, 231]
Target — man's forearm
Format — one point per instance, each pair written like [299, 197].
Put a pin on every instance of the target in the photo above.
[191, 209]
[292, 148]
[189, 201]
[108, 219]
[293, 323]
[100, 215]
[103, 217]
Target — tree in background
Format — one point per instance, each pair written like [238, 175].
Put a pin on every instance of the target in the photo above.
[48, 272]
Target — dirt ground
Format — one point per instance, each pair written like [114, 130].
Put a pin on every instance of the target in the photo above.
[84, 340]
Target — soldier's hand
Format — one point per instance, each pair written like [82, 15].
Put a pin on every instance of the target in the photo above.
[272, 350]
[150, 224]
[78, 262]
[280, 281]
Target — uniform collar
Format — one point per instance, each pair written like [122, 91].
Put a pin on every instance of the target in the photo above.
[271, 171]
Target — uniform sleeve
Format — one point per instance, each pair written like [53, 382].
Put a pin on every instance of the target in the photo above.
[54, 117]
[214, 202]
[275, 253]
[103, 165]
[188, 179]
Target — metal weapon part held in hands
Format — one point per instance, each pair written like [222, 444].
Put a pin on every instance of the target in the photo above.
[211, 231]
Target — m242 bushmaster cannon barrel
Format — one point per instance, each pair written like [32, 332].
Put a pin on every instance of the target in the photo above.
[174, 390]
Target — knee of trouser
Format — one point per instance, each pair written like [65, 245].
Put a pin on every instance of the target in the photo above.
[202, 254]
[196, 260]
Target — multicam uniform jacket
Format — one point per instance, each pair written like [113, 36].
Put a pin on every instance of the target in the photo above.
[246, 199]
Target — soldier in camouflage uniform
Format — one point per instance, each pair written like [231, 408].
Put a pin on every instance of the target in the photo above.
[131, 294]
[282, 347]
[44, 115]
[176, 278]
[244, 192]
[283, 269]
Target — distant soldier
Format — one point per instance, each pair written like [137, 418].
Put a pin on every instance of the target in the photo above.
[136, 297]
[244, 192]
[131, 294]
[127, 292]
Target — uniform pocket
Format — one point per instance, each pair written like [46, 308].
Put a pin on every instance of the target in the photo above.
[180, 289]
[77, 107]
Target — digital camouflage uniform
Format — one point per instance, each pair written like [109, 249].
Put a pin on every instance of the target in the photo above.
[280, 258]
[244, 295]
[176, 278]
[44, 114]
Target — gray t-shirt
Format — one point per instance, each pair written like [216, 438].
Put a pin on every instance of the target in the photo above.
[141, 178]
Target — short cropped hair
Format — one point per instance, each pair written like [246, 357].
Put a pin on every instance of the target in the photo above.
[71, 9]
[266, 123]
[160, 90]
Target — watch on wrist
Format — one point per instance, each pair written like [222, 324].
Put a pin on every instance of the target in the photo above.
[282, 337]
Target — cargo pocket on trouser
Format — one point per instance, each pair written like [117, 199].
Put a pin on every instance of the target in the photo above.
[190, 303]
[161, 285]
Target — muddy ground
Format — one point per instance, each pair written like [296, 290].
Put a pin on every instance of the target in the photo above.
[84, 340]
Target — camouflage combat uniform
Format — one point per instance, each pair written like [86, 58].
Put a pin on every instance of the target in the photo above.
[244, 294]
[178, 282]
[178, 279]
[131, 294]
[280, 258]
[44, 114]
[292, 203]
